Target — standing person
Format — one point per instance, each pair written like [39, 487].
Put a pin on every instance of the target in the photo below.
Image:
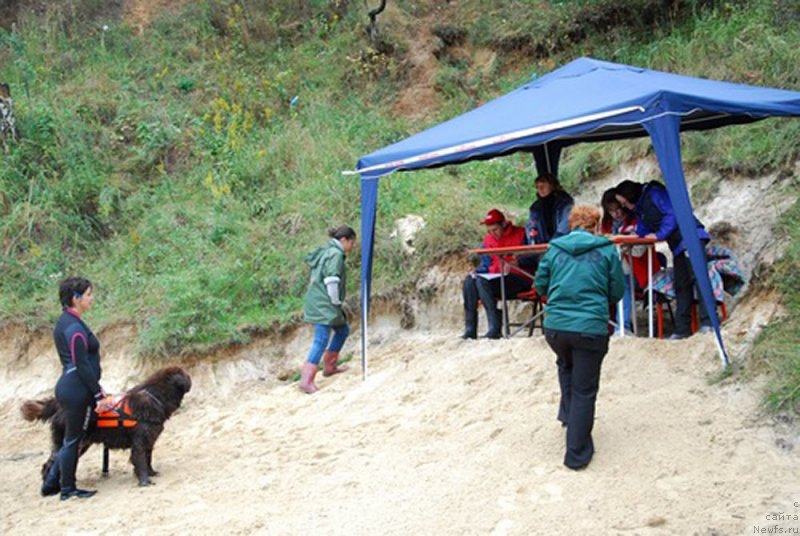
[656, 219]
[78, 389]
[581, 275]
[484, 281]
[617, 220]
[323, 305]
[549, 214]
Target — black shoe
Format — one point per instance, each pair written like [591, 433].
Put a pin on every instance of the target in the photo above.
[50, 489]
[79, 493]
[493, 335]
[577, 467]
[468, 335]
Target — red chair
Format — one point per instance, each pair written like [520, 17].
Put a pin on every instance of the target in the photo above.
[723, 314]
[537, 313]
[661, 300]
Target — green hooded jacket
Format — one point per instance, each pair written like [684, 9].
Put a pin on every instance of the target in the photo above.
[325, 262]
[581, 275]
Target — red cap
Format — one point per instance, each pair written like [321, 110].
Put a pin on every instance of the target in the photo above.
[493, 216]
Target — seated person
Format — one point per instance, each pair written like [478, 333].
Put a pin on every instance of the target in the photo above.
[484, 281]
[549, 215]
[617, 220]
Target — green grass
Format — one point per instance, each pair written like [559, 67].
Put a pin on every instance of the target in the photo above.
[776, 348]
[171, 169]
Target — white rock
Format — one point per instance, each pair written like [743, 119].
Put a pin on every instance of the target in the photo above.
[406, 230]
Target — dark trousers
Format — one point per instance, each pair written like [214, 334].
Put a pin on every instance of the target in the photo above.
[685, 283]
[488, 291]
[77, 405]
[579, 357]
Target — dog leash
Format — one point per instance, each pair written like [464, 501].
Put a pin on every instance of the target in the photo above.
[151, 395]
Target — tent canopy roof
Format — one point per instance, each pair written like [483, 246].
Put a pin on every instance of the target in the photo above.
[585, 100]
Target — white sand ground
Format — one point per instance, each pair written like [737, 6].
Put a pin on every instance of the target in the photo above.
[445, 437]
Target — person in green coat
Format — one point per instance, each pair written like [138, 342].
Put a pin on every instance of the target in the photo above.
[580, 275]
[323, 305]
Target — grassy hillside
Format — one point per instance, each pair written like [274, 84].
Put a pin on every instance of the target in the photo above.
[186, 169]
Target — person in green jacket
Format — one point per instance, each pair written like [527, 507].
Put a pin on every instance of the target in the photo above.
[323, 305]
[580, 275]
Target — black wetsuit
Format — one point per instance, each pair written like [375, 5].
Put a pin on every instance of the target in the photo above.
[77, 390]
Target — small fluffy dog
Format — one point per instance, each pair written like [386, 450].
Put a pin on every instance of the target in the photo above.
[142, 413]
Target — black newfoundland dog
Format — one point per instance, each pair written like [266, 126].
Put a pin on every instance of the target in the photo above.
[143, 412]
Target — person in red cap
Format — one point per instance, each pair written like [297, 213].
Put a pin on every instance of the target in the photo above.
[484, 282]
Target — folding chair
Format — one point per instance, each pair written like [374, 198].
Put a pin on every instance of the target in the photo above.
[537, 313]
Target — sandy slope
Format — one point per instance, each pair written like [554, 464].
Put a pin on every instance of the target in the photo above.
[445, 437]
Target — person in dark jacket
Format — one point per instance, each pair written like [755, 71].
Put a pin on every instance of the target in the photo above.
[549, 214]
[656, 219]
[580, 275]
[617, 220]
[78, 389]
[484, 281]
[323, 305]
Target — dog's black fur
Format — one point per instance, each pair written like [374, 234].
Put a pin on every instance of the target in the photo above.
[151, 403]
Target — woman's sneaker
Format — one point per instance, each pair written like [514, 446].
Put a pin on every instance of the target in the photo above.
[79, 493]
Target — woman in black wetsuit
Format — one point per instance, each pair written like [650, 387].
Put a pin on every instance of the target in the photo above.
[77, 390]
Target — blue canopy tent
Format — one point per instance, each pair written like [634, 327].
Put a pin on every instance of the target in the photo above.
[586, 100]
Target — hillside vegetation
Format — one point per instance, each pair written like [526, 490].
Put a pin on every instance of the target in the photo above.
[186, 166]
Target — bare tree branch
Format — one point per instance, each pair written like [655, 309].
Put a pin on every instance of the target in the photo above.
[372, 30]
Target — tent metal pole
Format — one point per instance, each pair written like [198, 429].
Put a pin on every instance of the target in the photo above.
[651, 250]
[632, 298]
[364, 349]
[369, 196]
[621, 304]
[547, 159]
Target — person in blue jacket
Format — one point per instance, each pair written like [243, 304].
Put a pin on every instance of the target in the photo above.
[581, 275]
[78, 389]
[549, 214]
[656, 219]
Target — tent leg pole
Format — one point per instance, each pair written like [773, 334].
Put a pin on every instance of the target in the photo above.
[650, 252]
[364, 350]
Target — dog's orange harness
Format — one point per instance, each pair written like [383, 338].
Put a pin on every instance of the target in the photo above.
[119, 416]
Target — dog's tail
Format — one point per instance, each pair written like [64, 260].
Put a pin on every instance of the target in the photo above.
[42, 410]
